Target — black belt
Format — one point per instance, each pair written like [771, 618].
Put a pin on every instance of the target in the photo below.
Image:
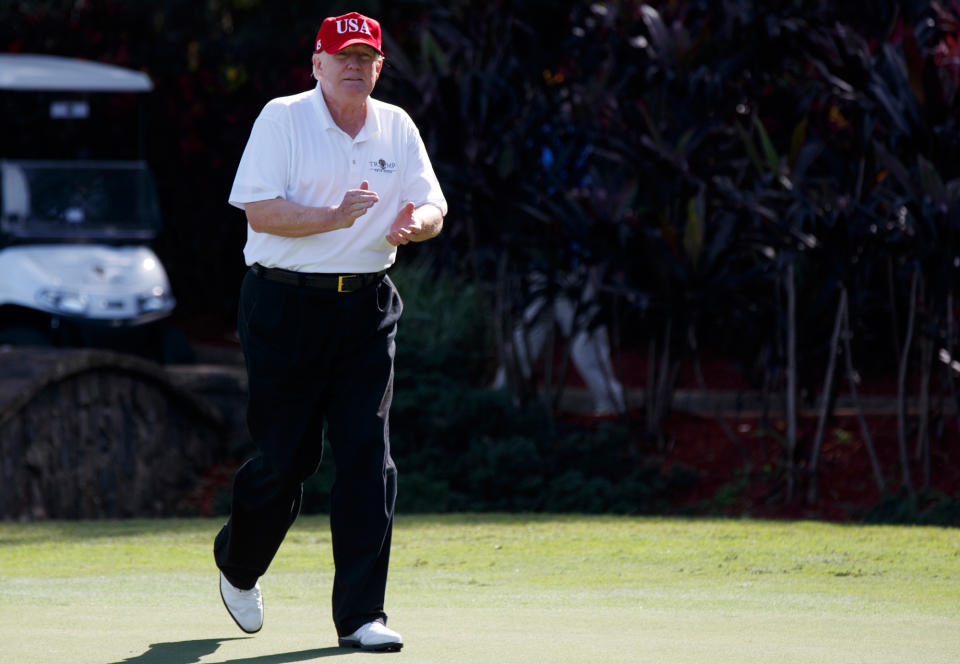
[342, 283]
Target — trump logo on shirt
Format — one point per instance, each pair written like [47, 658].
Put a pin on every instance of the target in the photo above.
[383, 166]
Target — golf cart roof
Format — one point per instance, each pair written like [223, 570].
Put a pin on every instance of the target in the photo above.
[54, 72]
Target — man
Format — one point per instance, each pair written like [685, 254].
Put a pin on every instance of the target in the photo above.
[332, 181]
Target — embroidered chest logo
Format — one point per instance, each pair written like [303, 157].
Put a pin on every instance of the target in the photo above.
[384, 166]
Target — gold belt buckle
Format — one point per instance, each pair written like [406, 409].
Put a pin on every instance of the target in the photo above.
[340, 282]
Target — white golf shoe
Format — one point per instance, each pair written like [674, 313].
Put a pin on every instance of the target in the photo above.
[244, 606]
[374, 636]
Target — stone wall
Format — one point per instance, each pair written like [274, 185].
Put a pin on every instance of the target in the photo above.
[93, 434]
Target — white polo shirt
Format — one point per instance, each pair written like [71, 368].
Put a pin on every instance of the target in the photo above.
[298, 153]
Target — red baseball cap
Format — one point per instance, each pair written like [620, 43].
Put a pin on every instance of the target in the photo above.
[338, 32]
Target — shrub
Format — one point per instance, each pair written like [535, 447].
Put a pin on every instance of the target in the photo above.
[464, 447]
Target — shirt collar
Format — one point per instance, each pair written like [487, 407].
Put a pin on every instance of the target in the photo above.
[371, 124]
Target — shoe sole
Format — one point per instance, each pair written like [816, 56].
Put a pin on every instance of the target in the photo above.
[382, 647]
[230, 613]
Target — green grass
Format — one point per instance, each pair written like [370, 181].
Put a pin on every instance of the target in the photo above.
[497, 588]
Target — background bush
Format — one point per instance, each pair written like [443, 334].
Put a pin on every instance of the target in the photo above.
[459, 447]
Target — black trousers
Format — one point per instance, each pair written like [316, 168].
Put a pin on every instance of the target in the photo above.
[316, 356]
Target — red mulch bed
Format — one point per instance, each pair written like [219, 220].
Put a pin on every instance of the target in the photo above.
[748, 477]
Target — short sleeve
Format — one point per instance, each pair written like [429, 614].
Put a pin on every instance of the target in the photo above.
[265, 164]
[420, 183]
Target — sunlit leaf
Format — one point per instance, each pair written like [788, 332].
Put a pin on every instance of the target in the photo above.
[797, 140]
[693, 230]
[659, 34]
[893, 165]
[773, 161]
[751, 149]
[930, 180]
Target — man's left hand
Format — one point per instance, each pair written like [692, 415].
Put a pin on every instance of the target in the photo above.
[406, 227]
[415, 224]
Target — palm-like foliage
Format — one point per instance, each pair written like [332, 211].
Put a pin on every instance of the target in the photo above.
[743, 178]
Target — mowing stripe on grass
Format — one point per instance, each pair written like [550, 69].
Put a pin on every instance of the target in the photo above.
[497, 588]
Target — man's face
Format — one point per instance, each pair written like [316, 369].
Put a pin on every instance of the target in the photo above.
[349, 73]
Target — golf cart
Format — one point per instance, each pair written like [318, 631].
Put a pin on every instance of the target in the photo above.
[78, 207]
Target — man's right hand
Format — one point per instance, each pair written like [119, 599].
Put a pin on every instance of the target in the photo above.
[278, 216]
[355, 204]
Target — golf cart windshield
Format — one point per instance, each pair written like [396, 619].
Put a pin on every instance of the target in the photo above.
[78, 200]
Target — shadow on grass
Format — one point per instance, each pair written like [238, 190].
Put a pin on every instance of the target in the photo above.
[190, 652]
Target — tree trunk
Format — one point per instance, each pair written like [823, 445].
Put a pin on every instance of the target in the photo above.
[825, 396]
[567, 356]
[660, 381]
[894, 317]
[702, 383]
[522, 388]
[663, 379]
[902, 387]
[650, 394]
[791, 382]
[922, 451]
[865, 430]
[950, 346]
[503, 328]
